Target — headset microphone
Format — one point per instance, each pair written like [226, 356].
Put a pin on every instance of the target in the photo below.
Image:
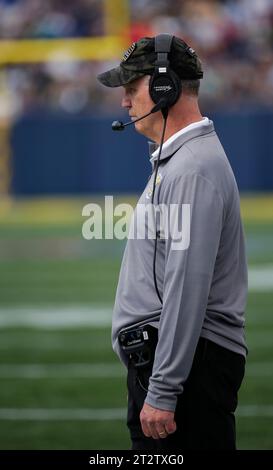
[119, 126]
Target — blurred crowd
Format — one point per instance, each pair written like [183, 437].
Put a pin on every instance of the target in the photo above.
[234, 39]
[50, 18]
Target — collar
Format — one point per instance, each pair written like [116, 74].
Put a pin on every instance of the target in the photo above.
[196, 129]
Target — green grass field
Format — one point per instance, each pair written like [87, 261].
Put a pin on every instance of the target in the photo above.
[61, 386]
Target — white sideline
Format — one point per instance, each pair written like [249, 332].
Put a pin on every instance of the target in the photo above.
[104, 414]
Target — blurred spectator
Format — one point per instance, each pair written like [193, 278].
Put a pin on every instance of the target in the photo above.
[50, 18]
[234, 39]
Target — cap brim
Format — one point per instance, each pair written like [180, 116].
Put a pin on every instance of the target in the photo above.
[119, 77]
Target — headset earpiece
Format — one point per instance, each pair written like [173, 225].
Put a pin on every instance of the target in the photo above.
[164, 83]
[165, 86]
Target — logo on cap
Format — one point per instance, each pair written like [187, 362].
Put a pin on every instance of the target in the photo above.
[129, 52]
[191, 51]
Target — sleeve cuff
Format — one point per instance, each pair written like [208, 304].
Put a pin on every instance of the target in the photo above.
[166, 404]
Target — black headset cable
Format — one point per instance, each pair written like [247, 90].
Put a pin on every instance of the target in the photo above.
[165, 117]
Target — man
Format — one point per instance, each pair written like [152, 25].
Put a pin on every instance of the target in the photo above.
[191, 297]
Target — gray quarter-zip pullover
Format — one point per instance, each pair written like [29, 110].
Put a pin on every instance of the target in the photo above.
[203, 285]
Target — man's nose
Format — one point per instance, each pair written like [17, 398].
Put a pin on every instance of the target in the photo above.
[126, 102]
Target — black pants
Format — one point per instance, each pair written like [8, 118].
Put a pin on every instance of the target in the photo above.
[205, 410]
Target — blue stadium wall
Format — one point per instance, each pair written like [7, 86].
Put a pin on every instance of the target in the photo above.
[58, 154]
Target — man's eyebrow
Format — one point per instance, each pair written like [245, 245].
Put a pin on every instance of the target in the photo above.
[129, 87]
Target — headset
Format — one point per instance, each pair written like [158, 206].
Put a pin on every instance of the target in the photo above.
[164, 84]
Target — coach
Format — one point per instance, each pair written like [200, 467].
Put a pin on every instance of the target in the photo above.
[178, 322]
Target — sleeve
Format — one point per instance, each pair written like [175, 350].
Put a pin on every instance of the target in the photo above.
[187, 279]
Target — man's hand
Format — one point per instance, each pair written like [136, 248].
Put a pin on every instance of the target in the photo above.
[156, 423]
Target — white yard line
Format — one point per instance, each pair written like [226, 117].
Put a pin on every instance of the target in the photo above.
[259, 369]
[56, 317]
[260, 280]
[97, 370]
[252, 411]
[105, 414]
[62, 414]
[44, 371]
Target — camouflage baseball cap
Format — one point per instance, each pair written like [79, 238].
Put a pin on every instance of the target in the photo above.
[139, 60]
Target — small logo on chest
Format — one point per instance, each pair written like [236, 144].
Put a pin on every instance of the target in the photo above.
[150, 187]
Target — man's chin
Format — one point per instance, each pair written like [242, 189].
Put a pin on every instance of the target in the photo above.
[140, 128]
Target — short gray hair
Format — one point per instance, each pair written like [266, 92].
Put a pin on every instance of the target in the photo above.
[190, 87]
